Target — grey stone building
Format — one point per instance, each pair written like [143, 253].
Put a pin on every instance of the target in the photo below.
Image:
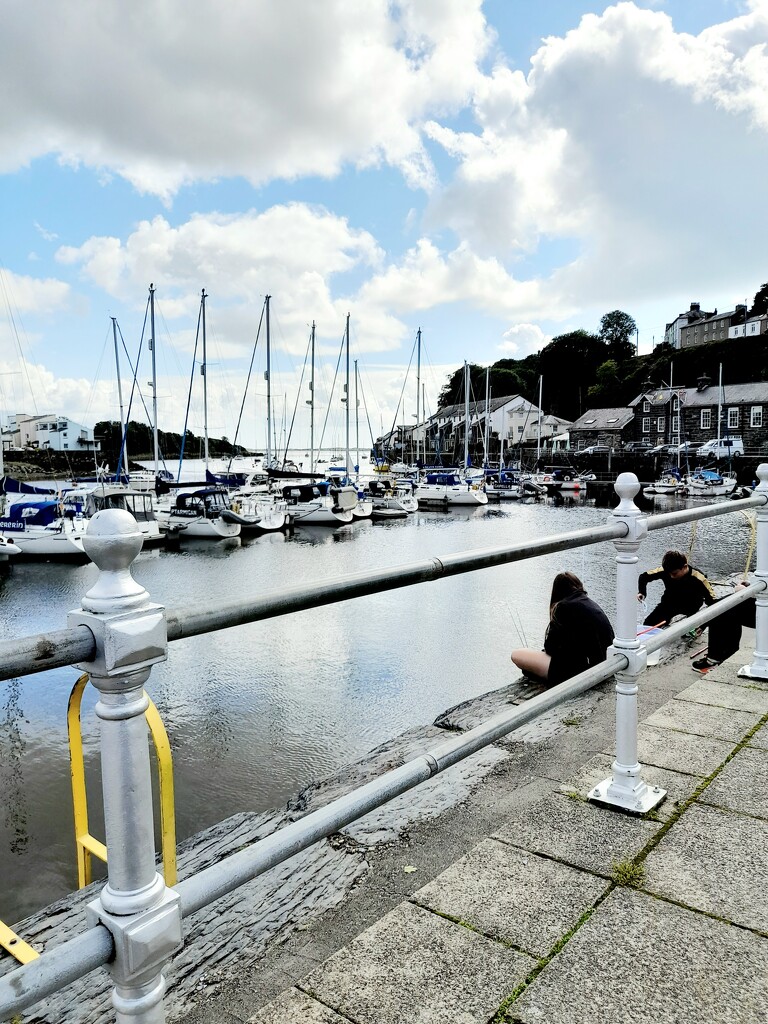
[691, 414]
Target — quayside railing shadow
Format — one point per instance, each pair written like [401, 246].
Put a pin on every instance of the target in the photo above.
[135, 925]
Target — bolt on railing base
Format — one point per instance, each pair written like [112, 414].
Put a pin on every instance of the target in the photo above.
[640, 800]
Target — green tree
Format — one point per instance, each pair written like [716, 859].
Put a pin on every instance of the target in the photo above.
[568, 365]
[617, 329]
[760, 301]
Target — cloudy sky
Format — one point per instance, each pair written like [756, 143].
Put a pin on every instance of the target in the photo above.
[493, 173]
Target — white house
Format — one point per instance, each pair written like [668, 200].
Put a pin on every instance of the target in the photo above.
[58, 433]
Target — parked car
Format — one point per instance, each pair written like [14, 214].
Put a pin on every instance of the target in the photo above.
[726, 447]
[663, 449]
[639, 447]
[688, 448]
[596, 449]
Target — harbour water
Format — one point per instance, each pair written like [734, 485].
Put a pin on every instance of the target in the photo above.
[257, 712]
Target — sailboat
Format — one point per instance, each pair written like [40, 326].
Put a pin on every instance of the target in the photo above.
[448, 488]
[194, 511]
[311, 498]
[709, 483]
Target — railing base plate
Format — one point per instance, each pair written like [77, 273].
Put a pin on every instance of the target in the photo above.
[759, 672]
[639, 801]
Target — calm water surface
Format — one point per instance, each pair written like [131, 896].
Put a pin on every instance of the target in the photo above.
[257, 712]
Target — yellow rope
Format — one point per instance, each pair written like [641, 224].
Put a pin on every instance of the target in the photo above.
[752, 541]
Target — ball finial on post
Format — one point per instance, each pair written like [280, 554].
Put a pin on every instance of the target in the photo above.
[112, 542]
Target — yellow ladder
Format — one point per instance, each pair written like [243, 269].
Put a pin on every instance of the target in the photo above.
[87, 845]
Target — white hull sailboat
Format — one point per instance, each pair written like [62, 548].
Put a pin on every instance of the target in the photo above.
[41, 529]
[449, 489]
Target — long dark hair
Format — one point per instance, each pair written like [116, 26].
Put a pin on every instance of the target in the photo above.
[565, 584]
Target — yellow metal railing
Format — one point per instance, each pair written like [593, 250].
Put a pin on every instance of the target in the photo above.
[87, 845]
[17, 947]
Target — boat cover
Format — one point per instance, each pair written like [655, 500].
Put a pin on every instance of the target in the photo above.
[37, 513]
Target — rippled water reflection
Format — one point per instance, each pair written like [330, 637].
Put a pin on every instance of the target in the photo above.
[256, 712]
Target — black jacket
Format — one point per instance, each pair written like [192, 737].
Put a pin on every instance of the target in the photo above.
[682, 597]
[577, 637]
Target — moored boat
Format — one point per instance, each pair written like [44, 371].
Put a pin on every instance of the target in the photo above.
[43, 529]
[447, 489]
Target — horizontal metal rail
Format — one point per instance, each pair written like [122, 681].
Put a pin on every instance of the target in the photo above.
[67, 646]
[690, 515]
[77, 957]
[54, 969]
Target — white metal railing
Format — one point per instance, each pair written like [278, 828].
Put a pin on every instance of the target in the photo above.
[135, 924]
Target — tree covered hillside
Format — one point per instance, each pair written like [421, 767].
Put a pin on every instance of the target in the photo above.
[581, 370]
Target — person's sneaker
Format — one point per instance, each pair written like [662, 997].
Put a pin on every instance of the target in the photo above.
[704, 665]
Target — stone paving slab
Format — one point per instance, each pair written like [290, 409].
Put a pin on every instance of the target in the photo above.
[726, 695]
[639, 960]
[513, 895]
[295, 1007]
[704, 720]
[577, 833]
[413, 967]
[693, 755]
[740, 786]
[715, 861]
[679, 787]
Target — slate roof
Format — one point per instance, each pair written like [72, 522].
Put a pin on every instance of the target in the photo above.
[604, 419]
[733, 394]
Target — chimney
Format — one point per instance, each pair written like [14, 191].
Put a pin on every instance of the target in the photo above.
[695, 307]
[703, 382]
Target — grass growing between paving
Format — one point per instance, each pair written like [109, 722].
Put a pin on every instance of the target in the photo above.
[629, 873]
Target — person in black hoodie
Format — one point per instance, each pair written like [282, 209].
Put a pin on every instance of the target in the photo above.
[685, 589]
[577, 636]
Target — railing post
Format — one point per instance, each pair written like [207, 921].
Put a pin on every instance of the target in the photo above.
[626, 789]
[142, 915]
[759, 667]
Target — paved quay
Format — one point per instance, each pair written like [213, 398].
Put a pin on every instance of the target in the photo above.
[527, 904]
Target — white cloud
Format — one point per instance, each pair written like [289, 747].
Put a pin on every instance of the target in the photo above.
[189, 89]
[644, 146]
[523, 339]
[23, 294]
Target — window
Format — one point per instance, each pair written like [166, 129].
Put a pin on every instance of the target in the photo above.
[706, 419]
[660, 424]
[675, 424]
[733, 417]
[675, 404]
[646, 406]
[756, 416]
[646, 424]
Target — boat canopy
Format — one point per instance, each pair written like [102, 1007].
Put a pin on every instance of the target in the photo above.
[444, 479]
[33, 513]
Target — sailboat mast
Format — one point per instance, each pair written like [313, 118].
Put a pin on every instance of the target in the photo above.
[123, 425]
[269, 387]
[466, 414]
[418, 390]
[487, 413]
[205, 379]
[720, 406]
[357, 428]
[538, 442]
[346, 401]
[154, 377]
[312, 404]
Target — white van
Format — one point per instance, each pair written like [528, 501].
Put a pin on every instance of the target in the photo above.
[725, 448]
